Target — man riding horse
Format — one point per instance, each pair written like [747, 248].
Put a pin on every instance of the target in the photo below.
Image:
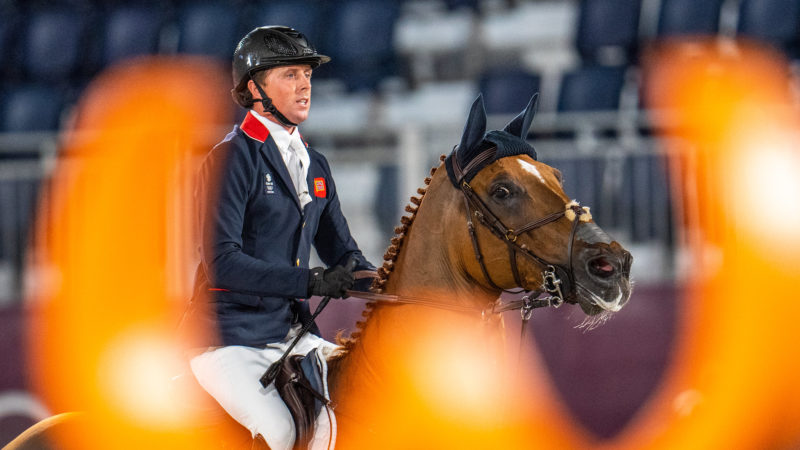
[265, 199]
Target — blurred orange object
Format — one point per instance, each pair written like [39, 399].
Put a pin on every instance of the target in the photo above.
[733, 380]
[111, 270]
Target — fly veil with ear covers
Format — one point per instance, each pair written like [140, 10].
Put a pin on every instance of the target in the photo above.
[473, 153]
[479, 149]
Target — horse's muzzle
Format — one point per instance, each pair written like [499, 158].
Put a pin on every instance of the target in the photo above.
[605, 278]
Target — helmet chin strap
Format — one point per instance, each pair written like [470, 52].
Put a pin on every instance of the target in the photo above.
[266, 102]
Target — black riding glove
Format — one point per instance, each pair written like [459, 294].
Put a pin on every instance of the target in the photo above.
[332, 282]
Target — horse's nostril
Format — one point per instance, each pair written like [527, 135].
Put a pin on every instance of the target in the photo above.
[601, 267]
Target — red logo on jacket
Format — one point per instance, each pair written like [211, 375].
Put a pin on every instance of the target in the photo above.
[319, 187]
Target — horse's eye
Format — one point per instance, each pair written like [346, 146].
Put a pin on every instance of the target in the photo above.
[501, 192]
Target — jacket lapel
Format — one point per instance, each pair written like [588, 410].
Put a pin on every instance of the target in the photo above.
[258, 132]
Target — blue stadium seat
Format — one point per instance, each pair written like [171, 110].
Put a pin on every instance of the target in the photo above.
[453, 5]
[360, 42]
[209, 28]
[30, 107]
[689, 17]
[53, 44]
[776, 22]
[608, 24]
[594, 88]
[9, 20]
[507, 92]
[304, 16]
[131, 31]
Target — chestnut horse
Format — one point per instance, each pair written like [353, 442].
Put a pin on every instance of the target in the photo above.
[491, 218]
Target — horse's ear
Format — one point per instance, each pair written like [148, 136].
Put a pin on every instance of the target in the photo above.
[522, 123]
[476, 125]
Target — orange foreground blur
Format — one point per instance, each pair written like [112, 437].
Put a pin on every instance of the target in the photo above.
[113, 253]
[733, 381]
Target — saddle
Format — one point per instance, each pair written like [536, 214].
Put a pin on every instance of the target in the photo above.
[301, 383]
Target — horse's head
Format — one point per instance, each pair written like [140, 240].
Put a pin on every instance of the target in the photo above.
[526, 231]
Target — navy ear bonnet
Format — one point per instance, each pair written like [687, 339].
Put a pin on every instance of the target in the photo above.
[508, 142]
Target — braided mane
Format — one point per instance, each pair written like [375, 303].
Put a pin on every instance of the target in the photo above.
[389, 258]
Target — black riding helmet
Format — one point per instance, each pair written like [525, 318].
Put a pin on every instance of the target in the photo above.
[267, 47]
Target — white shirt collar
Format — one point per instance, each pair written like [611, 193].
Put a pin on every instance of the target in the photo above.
[279, 134]
[282, 140]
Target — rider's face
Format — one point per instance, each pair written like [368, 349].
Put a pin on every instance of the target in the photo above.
[289, 87]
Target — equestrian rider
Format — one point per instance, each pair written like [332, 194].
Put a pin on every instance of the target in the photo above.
[265, 199]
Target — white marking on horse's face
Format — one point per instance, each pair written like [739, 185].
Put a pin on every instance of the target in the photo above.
[530, 168]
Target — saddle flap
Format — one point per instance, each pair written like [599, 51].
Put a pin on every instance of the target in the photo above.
[301, 384]
[313, 374]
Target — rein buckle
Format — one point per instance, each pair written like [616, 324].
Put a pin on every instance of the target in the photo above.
[552, 284]
[526, 311]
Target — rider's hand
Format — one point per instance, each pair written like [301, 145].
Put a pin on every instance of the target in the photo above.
[333, 282]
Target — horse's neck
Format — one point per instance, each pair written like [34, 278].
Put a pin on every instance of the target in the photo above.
[427, 265]
[429, 260]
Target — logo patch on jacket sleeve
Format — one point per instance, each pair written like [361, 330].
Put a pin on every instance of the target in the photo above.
[319, 188]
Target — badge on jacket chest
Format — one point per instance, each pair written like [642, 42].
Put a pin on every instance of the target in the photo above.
[269, 185]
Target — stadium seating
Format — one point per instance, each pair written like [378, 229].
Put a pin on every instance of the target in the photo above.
[30, 107]
[507, 92]
[608, 30]
[360, 41]
[434, 43]
[689, 17]
[302, 15]
[453, 5]
[431, 104]
[594, 88]
[208, 29]
[53, 44]
[775, 22]
[9, 24]
[130, 31]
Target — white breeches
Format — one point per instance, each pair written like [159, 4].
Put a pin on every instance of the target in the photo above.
[231, 375]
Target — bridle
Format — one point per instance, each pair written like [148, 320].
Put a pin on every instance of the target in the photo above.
[553, 275]
[557, 281]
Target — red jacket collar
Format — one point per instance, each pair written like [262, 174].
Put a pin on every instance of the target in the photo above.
[254, 128]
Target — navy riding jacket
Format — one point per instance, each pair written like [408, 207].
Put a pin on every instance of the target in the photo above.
[256, 240]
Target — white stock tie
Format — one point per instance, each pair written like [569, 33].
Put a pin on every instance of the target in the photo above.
[295, 166]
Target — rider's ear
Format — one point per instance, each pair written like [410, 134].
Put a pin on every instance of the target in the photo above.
[522, 123]
[476, 125]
